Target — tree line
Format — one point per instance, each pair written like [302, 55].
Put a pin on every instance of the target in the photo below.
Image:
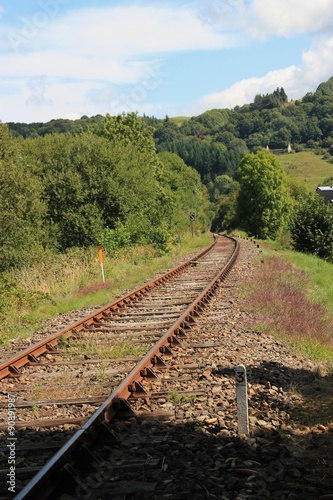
[76, 190]
[214, 142]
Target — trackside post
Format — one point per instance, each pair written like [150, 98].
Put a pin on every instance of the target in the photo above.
[242, 403]
[101, 260]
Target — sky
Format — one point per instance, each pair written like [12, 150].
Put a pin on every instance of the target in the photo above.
[69, 58]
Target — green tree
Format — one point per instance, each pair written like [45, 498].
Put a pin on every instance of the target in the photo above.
[21, 210]
[128, 129]
[311, 227]
[222, 185]
[280, 138]
[263, 200]
[183, 193]
[226, 217]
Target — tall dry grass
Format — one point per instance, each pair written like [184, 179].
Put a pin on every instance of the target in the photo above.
[280, 297]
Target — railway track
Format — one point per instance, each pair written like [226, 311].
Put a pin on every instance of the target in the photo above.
[174, 434]
[57, 386]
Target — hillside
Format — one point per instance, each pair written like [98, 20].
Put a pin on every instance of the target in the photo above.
[307, 167]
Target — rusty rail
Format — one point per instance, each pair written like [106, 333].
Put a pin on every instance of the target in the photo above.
[44, 484]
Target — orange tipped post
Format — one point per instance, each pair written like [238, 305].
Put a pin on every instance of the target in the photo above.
[101, 260]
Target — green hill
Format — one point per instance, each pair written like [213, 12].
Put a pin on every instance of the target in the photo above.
[308, 167]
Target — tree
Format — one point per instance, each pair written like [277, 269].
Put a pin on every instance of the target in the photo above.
[21, 210]
[311, 227]
[183, 193]
[280, 138]
[222, 185]
[263, 200]
[130, 129]
[226, 217]
[214, 119]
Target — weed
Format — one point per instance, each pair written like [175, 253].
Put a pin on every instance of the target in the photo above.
[177, 398]
[62, 343]
[101, 375]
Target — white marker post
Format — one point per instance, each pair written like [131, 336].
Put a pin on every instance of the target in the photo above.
[241, 396]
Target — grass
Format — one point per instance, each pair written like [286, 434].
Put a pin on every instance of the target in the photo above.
[74, 280]
[291, 295]
[92, 348]
[178, 398]
[307, 167]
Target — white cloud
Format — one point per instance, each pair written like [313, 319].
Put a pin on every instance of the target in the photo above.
[318, 62]
[120, 31]
[79, 59]
[261, 19]
[68, 65]
[244, 91]
[317, 67]
[102, 47]
[286, 18]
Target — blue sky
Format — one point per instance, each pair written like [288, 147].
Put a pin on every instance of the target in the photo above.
[68, 58]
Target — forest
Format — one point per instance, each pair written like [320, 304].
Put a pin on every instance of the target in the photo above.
[127, 180]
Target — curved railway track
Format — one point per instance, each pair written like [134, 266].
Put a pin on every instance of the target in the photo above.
[158, 317]
[171, 433]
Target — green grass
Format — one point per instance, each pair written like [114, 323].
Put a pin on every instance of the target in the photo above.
[178, 398]
[92, 347]
[307, 167]
[320, 274]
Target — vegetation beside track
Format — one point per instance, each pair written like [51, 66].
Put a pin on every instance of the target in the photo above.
[292, 296]
[74, 280]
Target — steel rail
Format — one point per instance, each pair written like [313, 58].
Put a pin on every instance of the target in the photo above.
[43, 485]
[11, 366]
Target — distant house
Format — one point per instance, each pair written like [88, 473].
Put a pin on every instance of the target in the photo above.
[280, 151]
[326, 192]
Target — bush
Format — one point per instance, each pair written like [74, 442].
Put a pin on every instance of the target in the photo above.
[311, 227]
[116, 238]
[160, 239]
